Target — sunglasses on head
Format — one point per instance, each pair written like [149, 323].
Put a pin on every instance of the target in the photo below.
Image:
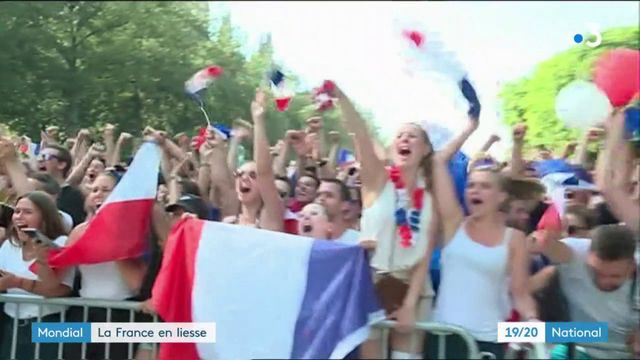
[239, 173]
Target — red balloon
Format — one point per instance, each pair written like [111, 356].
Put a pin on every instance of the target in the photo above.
[617, 73]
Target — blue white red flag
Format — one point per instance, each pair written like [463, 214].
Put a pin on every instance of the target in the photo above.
[281, 90]
[272, 295]
[199, 82]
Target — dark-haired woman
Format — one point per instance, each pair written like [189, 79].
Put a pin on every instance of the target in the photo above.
[34, 210]
[114, 280]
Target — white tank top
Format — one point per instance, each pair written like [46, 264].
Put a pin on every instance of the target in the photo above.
[103, 281]
[474, 288]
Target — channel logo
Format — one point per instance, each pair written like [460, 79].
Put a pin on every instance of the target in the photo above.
[592, 39]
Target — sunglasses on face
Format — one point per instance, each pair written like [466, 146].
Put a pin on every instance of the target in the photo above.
[47, 156]
[574, 229]
[352, 171]
[252, 174]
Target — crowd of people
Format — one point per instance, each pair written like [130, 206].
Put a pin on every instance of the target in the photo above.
[507, 252]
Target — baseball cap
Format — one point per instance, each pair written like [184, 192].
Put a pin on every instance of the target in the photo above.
[190, 203]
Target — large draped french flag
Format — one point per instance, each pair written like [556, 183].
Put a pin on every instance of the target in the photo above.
[272, 295]
[119, 229]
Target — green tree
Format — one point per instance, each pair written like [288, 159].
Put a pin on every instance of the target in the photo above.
[532, 100]
[82, 64]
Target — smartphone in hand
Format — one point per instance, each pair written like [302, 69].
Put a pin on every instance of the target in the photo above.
[40, 238]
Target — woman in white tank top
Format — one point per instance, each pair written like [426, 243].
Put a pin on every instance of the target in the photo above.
[398, 219]
[115, 280]
[482, 260]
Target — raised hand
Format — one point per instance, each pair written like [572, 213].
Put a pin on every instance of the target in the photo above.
[333, 137]
[107, 132]
[594, 134]
[314, 124]
[258, 105]
[241, 129]
[297, 139]
[95, 151]
[125, 136]
[7, 150]
[519, 131]
[84, 134]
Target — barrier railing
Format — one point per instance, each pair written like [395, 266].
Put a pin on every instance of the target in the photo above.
[617, 348]
[440, 330]
[514, 351]
[85, 304]
[530, 351]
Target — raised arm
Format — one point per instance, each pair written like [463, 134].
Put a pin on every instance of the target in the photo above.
[79, 145]
[443, 191]
[489, 143]
[109, 142]
[114, 159]
[76, 175]
[519, 271]
[590, 137]
[373, 175]
[280, 161]
[241, 131]
[517, 160]
[272, 214]
[623, 206]
[16, 171]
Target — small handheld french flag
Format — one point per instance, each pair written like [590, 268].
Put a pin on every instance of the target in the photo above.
[281, 90]
[345, 158]
[323, 96]
[198, 83]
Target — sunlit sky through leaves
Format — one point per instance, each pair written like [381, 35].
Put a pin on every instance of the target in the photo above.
[353, 43]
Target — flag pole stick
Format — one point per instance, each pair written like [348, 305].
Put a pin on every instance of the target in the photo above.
[205, 116]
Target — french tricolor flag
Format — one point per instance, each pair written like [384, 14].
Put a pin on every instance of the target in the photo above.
[345, 158]
[199, 82]
[272, 295]
[281, 90]
[119, 229]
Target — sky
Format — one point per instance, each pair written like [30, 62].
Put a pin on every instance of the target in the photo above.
[357, 44]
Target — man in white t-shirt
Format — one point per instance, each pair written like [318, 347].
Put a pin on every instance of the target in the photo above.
[334, 195]
[597, 277]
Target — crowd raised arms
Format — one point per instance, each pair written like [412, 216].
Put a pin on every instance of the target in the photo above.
[514, 242]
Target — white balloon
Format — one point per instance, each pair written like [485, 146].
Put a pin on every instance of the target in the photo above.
[581, 104]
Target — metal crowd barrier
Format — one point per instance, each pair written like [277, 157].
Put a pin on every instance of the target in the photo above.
[109, 305]
[440, 330]
[618, 348]
[529, 351]
[514, 351]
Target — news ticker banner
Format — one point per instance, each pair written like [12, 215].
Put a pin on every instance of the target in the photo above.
[77, 332]
[553, 332]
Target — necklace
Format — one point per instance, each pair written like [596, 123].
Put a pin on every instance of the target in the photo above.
[407, 221]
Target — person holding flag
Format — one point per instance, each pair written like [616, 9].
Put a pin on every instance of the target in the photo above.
[108, 253]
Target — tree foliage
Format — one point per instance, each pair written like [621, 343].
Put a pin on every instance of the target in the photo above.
[82, 64]
[532, 100]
